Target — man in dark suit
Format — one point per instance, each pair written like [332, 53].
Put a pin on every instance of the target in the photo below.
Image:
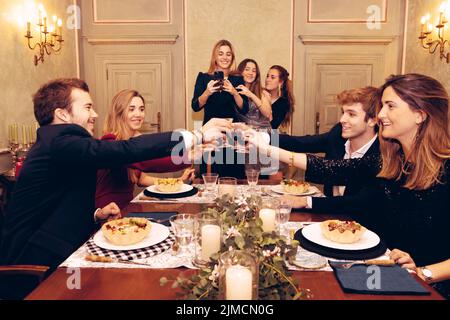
[355, 136]
[51, 212]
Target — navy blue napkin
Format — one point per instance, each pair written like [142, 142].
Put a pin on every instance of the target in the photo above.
[389, 280]
[154, 215]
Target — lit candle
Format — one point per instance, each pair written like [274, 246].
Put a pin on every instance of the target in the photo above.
[16, 133]
[40, 9]
[430, 27]
[28, 28]
[24, 135]
[238, 283]
[268, 218]
[60, 29]
[29, 135]
[210, 240]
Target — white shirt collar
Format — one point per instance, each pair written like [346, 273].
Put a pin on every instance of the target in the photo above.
[361, 151]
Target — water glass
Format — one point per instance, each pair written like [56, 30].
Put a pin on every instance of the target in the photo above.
[252, 178]
[210, 181]
[183, 228]
[227, 185]
[283, 216]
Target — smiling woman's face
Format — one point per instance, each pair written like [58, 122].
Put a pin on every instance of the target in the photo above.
[135, 113]
[249, 73]
[224, 57]
[397, 120]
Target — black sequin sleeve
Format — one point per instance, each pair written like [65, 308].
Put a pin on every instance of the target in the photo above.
[340, 172]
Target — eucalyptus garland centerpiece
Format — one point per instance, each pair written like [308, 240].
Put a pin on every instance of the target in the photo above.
[242, 230]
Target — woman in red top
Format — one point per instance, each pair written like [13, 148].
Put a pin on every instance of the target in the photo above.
[124, 120]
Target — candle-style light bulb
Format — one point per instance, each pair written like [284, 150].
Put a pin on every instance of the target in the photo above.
[59, 33]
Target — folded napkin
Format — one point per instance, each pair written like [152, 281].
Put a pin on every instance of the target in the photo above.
[154, 215]
[389, 280]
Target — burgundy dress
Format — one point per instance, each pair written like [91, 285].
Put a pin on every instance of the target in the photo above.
[114, 185]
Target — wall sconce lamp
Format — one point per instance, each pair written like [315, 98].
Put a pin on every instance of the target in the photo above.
[49, 38]
[426, 37]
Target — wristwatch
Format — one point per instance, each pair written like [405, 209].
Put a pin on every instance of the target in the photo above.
[427, 274]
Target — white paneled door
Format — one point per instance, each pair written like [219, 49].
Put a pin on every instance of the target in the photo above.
[333, 79]
[145, 78]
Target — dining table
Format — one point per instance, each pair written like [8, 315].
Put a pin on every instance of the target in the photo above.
[144, 284]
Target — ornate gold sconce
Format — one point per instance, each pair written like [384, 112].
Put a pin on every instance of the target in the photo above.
[49, 38]
[426, 34]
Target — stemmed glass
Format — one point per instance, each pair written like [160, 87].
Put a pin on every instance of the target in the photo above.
[252, 178]
[210, 181]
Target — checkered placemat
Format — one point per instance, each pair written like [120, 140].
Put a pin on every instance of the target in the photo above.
[131, 254]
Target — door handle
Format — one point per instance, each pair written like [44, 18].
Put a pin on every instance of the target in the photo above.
[317, 122]
[157, 125]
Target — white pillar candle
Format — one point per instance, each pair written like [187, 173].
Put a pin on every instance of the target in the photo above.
[227, 189]
[268, 219]
[238, 283]
[210, 240]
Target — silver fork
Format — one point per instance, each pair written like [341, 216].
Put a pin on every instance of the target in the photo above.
[374, 262]
[157, 220]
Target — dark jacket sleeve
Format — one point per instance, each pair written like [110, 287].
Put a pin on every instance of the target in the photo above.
[311, 143]
[342, 172]
[200, 87]
[166, 164]
[74, 146]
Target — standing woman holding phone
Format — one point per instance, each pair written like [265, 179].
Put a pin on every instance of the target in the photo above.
[215, 91]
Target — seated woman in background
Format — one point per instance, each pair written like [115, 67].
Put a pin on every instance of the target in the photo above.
[407, 203]
[282, 99]
[125, 118]
[259, 107]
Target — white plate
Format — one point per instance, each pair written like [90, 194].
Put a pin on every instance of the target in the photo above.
[184, 188]
[314, 234]
[157, 234]
[279, 189]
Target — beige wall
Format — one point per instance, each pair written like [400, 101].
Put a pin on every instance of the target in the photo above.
[258, 29]
[19, 78]
[418, 60]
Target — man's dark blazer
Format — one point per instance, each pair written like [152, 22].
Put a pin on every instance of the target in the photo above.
[333, 145]
[51, 212]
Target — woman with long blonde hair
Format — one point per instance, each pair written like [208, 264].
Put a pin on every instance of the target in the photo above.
[124, 120]
[407, 196]
[215, 91]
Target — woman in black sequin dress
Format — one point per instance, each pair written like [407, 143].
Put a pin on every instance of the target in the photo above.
[407, 192]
